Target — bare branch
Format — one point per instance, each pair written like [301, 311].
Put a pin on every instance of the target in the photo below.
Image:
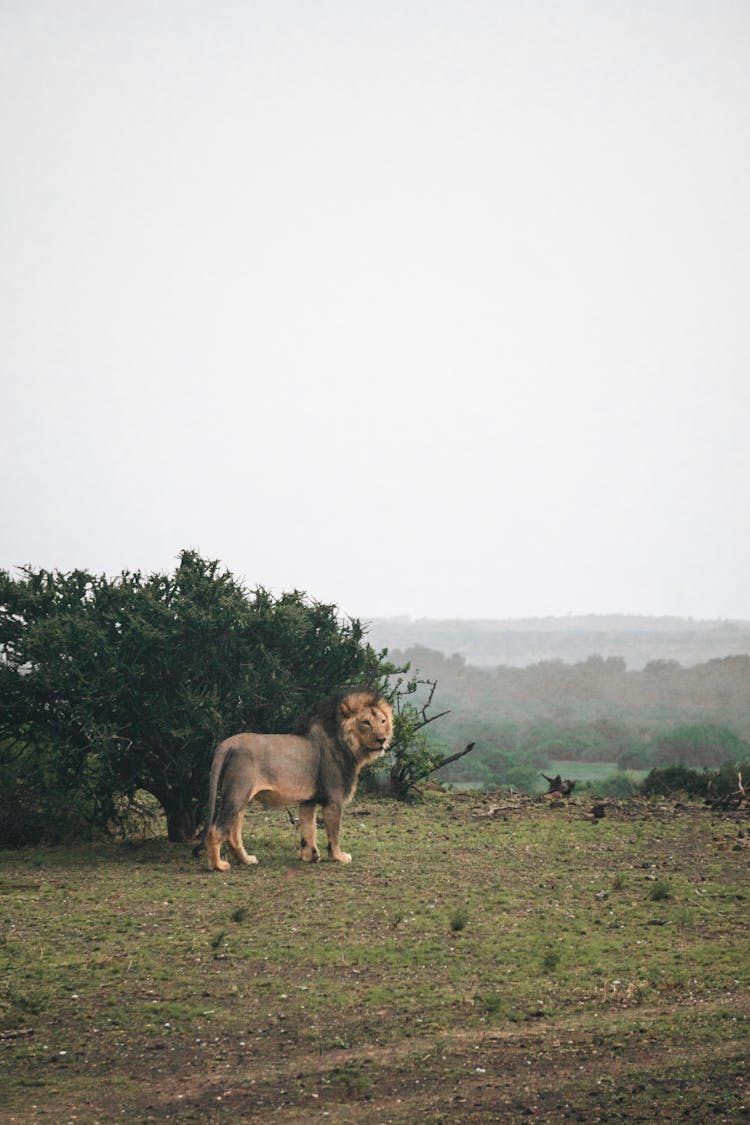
[453, 757]
[431, 719]
[425, 718]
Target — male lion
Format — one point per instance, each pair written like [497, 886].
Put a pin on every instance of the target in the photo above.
[318, 765]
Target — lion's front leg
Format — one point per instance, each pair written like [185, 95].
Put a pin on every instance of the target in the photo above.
[332, 821]
[308, 833]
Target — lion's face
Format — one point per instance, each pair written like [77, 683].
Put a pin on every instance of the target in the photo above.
[368, 724]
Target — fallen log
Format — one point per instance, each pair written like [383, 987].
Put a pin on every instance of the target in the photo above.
[558, 786]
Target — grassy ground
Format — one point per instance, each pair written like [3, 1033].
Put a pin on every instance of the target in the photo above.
[484, 958]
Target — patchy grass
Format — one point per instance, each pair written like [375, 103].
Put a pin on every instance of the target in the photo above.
[483, 958]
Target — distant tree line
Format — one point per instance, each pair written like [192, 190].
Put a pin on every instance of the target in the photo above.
[523, 719]
[521, 643]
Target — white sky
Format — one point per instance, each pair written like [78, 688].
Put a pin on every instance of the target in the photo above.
[437, 308]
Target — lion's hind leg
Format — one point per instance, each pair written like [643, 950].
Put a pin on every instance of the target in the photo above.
[234, 839]
[214, 841]
[237, 791]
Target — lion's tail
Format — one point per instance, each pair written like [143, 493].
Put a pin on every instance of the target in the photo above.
[217, 766]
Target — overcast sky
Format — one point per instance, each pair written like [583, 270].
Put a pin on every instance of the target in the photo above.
[429, 308]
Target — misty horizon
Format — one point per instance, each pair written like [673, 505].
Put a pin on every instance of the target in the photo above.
[426, 310]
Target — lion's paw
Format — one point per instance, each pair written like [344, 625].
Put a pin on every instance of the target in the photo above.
[343, 857]
[249, 859]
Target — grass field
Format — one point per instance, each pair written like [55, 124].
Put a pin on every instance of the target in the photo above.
[590, 771]
[484, 958]
[580, 772]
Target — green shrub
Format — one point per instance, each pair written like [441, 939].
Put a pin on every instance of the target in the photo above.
[131, 681]
[661, 782]
[39, 804]
[724, 780]
[615, 784]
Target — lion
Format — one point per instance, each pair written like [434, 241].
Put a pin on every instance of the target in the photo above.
[317, 765]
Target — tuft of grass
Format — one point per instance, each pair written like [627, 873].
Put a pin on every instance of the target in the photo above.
[459, 919]
[494, 1004]
[240, 914]
[551, 960]
[351, 1080]
[660, 891]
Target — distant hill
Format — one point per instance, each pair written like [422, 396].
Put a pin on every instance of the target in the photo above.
[519, 643]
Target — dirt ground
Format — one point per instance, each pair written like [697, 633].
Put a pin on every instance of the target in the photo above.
[487, 959]
[556, 1073]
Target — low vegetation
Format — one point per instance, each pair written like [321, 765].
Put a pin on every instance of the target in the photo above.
[487, 957]
[523, 719]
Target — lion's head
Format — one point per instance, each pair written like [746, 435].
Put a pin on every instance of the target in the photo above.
[366, 724]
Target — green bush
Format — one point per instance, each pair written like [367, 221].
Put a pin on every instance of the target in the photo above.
[36, 806]
[696, 783]
[724, 780]
[615, 784]
[131, 681]
[663, 781]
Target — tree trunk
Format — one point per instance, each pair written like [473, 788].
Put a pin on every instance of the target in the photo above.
[181, 823]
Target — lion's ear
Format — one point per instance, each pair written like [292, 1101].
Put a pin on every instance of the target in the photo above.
[345, 707]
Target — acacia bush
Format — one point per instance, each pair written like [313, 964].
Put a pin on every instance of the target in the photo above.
[110, 686]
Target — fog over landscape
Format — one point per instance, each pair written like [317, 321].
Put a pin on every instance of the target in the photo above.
[518, 643]
[436, 310]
